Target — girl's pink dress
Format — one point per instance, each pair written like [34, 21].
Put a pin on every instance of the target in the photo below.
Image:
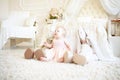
[58, 50]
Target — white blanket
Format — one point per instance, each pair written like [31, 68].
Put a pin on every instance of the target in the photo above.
[13, 66]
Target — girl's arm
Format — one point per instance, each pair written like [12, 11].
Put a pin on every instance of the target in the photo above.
[67, 45]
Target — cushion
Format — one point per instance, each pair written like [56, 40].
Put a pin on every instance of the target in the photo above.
[30, 21]
[17, 18]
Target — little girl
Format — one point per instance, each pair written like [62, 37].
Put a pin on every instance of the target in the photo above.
[54, 51]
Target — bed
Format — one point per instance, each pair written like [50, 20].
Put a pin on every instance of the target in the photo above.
[13, 66]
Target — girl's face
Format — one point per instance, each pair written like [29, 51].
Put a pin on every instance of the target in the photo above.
[59, 32]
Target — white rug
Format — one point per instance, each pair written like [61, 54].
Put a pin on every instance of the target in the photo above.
[13, 66]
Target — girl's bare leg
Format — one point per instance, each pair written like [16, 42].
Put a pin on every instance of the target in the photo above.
[28, 54]
[38, 54]
[68, 56]
[79, 59]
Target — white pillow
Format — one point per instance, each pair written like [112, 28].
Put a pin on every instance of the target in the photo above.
[17, 18]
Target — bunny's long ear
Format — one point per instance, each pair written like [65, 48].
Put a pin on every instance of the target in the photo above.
[78, 42]
[81, 33]
[81, 36]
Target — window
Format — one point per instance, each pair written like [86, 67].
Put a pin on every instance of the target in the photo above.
[115, 27]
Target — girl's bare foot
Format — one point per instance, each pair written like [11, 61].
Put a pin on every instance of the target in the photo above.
[38, 53]
[28, 54]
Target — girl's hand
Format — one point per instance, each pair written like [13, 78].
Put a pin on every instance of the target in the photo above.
[43, 59]
[45, 44]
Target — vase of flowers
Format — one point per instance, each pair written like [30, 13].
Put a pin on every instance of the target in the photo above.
[55, 14]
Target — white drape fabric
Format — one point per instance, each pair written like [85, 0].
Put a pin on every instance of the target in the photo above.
[95, 28]
[73, 7]
[96, 33]
[111, 6]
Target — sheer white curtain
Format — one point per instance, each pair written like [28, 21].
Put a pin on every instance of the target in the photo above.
[112, 7]
[73, 7]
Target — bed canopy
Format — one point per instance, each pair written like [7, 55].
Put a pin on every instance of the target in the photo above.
[89, 15]
[93, 18]
[112, 7]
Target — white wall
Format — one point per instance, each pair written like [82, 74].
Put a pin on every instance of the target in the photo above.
[39, 8]
[115, 42]
[34, 6]
[4, 9]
